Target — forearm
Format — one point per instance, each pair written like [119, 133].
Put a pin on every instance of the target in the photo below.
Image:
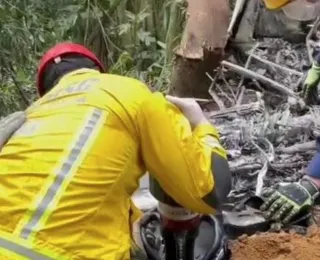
[316, 60]
[219, 167]
[178, 157]
[313, 169]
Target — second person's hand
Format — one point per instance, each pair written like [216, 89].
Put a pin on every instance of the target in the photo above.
[310, 86]
[288, 199]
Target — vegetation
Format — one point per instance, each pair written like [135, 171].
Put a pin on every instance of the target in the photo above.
[134, 38]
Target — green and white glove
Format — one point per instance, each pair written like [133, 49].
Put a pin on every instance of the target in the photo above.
[288, 199]
[310, 86]
[9, 125]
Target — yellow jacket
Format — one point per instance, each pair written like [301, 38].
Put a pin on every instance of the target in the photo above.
[68, 174]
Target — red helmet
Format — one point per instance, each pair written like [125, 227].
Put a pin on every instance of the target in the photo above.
[58, 51]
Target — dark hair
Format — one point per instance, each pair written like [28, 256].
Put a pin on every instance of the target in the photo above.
[55, 71]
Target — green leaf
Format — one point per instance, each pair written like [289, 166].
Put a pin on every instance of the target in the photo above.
[41, 39]
[97, 12]
[130, 15]
[142, 17]
[162, 45]
[124, 28]
[21, 76]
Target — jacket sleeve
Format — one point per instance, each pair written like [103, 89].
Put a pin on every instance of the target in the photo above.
[317, 58]
[313, 169]
[180, 159]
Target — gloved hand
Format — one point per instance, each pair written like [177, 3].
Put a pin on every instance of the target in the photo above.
[288, 199]
[190, 108]
[9, 125]
[310, 86]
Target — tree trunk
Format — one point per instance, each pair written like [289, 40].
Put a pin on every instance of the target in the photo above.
[201, 48]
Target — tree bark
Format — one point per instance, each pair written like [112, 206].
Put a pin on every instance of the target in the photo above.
[202, 47]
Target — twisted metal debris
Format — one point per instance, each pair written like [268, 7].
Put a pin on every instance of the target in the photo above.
[264, 124]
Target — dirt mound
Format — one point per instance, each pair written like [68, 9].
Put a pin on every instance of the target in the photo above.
[278, 246]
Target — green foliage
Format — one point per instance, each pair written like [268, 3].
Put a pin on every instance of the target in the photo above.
[130, 37]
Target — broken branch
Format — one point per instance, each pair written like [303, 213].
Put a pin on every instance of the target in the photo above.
[235, 14]
[242, 109]
[251, 74]
[308, 38]
[272, 64]
[304, 147]
[240, 94]
[213, 94]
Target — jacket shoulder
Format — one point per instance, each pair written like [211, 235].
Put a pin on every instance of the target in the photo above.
[125, 81]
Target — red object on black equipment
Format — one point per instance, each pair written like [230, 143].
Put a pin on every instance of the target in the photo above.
[182, 233]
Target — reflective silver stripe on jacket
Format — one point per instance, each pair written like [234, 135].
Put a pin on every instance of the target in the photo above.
[62, 173]
[22, 251]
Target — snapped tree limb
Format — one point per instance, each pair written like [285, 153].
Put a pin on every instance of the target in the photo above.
[251, 74]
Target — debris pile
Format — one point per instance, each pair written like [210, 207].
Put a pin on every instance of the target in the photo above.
[267, 130]
[278, 246]
[269, 133]
[264, 123]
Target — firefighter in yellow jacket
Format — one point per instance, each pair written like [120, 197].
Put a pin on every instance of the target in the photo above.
[67, 175]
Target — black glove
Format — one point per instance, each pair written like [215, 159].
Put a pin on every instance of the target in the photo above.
[288, 199]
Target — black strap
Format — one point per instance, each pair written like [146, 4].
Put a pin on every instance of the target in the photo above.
[222, 177]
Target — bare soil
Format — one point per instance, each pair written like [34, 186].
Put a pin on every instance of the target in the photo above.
[278, 246]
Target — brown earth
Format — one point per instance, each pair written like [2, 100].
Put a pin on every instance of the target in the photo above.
[278, 246]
